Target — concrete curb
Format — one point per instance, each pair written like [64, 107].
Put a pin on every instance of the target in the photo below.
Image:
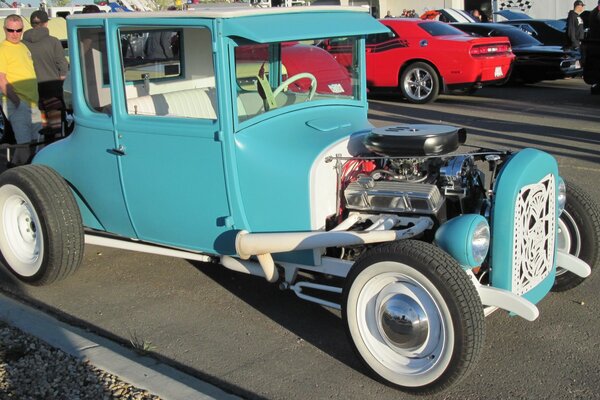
[142, 372]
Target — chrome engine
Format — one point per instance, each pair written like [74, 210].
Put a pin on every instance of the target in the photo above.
[413, 172]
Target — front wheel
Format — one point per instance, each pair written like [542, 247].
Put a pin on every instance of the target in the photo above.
[413, 316]
[578, 235]
[41, 232]
[419, 83]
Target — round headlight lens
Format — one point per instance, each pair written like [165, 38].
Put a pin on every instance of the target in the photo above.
[562, 196]
[480, 242]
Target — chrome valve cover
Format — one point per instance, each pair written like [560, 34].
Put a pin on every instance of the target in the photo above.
[392, 196]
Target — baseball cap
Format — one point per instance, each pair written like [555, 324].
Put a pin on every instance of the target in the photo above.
[38, 17]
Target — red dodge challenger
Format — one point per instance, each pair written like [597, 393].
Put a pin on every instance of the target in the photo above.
[425, 58]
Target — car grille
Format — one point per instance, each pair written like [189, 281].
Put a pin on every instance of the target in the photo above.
[534, 234]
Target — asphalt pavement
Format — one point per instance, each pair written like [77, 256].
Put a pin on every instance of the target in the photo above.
[251, 339]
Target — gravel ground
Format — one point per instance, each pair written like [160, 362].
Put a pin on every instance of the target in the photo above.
[31, 369]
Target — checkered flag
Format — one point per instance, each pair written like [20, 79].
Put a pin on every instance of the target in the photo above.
[522, 5]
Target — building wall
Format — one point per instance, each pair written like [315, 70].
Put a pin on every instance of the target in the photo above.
[552, 9]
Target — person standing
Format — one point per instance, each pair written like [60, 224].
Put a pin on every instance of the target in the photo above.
[18, 84]
[593, 50]
[575, 27]
[476, 14]
[48, 56]
[594, 23]
[51, 69]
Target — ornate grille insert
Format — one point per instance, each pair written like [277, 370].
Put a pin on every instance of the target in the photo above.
[534, 234]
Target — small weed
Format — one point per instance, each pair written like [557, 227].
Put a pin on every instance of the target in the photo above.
[140, 345]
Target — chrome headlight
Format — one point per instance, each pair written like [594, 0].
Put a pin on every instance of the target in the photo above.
[480, 241]
[466, 238]
[562, 195]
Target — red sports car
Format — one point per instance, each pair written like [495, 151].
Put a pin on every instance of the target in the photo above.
[425, 58]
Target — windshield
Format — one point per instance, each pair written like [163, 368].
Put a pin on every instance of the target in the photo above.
[279, 75]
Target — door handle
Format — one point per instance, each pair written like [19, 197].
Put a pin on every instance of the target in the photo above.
[119, 151]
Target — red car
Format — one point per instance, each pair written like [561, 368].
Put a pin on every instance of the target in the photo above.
[425, 58]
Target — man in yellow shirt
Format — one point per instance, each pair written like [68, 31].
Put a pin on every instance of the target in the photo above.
[18, 83]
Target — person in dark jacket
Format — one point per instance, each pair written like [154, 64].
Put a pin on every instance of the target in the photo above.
[594, 23]
[575, 27]
[48, 56]
[51, 69]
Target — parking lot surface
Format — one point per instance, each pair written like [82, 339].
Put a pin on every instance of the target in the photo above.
[247, 337]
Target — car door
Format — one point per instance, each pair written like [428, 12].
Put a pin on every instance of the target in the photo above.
[168, 147]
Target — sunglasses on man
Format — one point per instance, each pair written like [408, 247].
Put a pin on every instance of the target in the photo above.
[14, 30]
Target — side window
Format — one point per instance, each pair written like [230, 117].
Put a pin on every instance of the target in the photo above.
[168, 72]
[380, 38]
[92, 53]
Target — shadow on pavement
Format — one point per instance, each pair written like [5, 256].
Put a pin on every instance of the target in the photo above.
[317, 325]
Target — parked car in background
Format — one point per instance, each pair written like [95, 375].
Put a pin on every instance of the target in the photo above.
[421, 59]
[534, 62]
[551, 32]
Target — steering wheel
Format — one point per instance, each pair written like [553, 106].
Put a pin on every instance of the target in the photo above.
[292, 79]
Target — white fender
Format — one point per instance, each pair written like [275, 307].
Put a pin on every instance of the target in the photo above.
[572, 264]
[491, 296]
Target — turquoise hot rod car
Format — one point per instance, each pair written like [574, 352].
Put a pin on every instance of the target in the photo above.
[221, 152]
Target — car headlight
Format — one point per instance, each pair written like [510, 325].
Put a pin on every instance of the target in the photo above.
[466, 238]
[480, 242]
[562, 195]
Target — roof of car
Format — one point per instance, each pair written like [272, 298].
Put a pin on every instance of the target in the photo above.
[261, 25]
[219, 12]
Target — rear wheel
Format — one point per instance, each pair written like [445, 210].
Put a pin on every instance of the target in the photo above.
[578, 234]
[413, 316]
[41, 232]
[419, 83]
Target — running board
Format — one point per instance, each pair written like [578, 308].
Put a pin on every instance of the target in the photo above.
[126, 244]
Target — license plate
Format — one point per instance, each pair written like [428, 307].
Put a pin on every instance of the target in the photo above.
[577, 64]
[498, 72]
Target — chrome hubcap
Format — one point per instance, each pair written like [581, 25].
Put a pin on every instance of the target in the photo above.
[403, 323]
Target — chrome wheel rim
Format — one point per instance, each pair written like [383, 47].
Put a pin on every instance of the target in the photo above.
[568, 238]
[418, 84]
[21, 240]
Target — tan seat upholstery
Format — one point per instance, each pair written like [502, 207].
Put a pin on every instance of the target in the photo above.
[190, 103]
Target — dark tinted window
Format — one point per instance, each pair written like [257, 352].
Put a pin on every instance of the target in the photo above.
[517, 37]
[380, 37]
[435, 28]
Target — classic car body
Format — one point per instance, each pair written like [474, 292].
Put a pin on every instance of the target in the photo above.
[392, 226]
[424, 58]
[534, 62]
[551, 32]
